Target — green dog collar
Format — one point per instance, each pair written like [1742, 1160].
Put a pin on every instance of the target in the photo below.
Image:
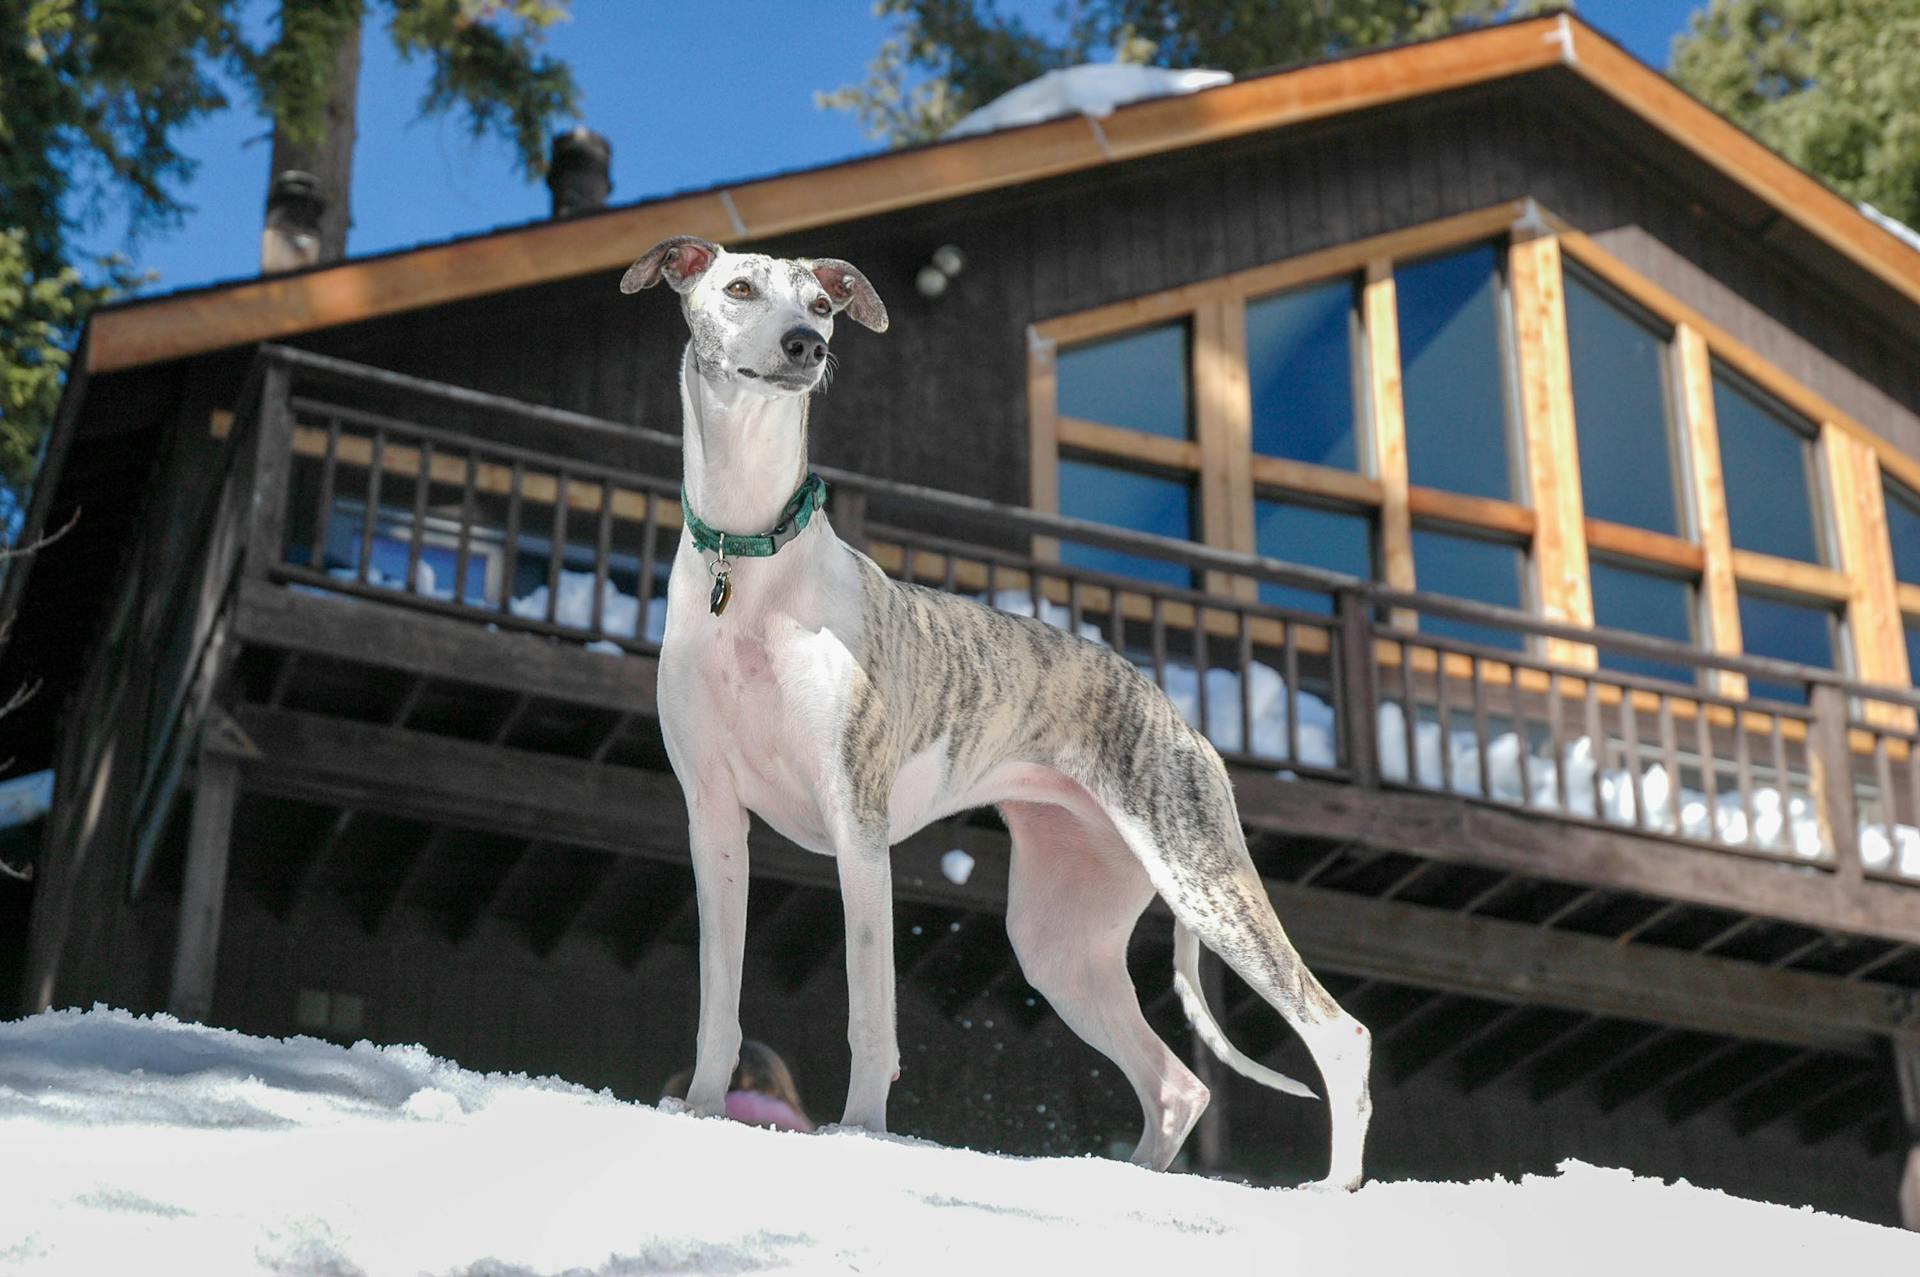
[807, 498]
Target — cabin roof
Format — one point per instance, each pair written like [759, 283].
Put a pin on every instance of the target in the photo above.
[178, 325]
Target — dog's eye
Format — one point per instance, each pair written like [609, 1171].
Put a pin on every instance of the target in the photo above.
[740, 288]
[821, 306]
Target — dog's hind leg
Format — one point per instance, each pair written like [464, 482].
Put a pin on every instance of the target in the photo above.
[1073, 896]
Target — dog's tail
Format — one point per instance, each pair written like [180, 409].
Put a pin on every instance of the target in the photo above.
[1186, 982]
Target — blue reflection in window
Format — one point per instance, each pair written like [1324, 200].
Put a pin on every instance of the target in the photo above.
[1796, 632]
[1300, 366]
[1646, 603]
[1767, 465]
[1450, 374]
[1913, 653]
[1467, 568]
[1337, 540]
[1903, 529]
[1138, 381]
[1620, 409]
[1126, 499]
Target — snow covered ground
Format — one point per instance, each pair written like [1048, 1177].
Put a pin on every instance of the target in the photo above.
[147, 1146]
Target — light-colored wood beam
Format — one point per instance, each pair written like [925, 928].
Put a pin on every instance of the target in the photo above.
[1223, 424]
[1700, 437]
[1552, 455]
[1387, 419]
[1858, 508]
[1043, 435]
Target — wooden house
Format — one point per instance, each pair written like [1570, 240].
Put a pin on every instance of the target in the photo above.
[1514, 467]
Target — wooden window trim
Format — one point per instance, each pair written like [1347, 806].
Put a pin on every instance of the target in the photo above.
[1131, 445]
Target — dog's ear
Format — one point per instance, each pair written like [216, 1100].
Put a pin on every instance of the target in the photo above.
[681, 260]
[849, 290]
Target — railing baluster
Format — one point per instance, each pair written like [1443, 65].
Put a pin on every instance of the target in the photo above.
[510, 550]
[372, 512]
[1119, 620]
[1556, 739]
[1443, 713]
[1246, 685]
[1073, 603]
[1481, 734]
[323, 509]
[1159, 642]
[602, 555]
[557, 552]
[1355, 703]
[1782, 780]
[649, 535]
[993, 581]
[950, 579]
[1410, 711]
[1200, 663]
[1670, 748]
[1630, 742]
[1913, 796]
[1709, 768]
[1290, 654]
[423, 479]
[1743, 759]
[1883, 773]
[464, 556]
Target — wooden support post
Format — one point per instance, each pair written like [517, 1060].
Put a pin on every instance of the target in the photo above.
[1874, 623]
[1360, 718]
[1380, 313]
[204, 893]
[1552, 454]
[271, 454]
[1223, 426]
[849, 515]
[1043, 436]
[1906, 1064]
[1831, 759]
[1212, 1146]
[1701, 430]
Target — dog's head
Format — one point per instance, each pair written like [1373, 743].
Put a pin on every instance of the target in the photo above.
[758, 322]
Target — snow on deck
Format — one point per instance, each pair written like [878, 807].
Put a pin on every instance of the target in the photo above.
[145, 1145]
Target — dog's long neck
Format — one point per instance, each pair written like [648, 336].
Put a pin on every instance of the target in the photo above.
[745, 453]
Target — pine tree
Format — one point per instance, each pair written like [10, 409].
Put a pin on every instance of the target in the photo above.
[94, 94]
[1833, 85]
[944, 58]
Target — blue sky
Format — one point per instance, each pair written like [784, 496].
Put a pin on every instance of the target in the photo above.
[689, 93]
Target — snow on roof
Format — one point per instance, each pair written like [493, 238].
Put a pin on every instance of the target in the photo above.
[145, 1145]
[1093, 88]
[1892, 225]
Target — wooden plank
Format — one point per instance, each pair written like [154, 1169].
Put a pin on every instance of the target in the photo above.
[1552, 455]
[1475, 512]
[1380, 313]
[396, 637]
[1791, 575]
[1638, 543]
[1306, 479]
[1700, 435]
[1134, 445]
[1223, 427]
[1859, 513]
[639, 813]
[203, 895]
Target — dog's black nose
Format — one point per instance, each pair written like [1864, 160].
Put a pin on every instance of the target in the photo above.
[804, 346]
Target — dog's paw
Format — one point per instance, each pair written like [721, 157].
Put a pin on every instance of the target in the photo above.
[676, 1106]
[1331, 1185]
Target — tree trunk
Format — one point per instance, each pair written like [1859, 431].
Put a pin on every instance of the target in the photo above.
[290, 239]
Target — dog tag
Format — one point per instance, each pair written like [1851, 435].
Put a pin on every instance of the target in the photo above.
[722, 588]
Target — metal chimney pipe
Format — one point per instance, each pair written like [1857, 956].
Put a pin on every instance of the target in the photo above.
[291, 240]
[580, 174]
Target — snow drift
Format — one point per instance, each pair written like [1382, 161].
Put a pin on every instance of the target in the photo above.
[145, 1145]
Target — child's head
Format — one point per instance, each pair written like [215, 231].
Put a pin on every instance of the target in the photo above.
[760, 1070]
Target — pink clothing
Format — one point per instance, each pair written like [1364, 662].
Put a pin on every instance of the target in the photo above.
[756, 1109]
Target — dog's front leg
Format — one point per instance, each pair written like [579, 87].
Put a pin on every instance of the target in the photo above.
[717, 828]
[866, 891]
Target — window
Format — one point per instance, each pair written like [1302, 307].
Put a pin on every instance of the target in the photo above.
[1799, 632]
[1766, 457]
[1337, 540]
[1468, 568]
[1127, 499]
[1649, 603]
[1621, 411]
[1139, 382]
[1903, 529]
[1300, 369]
[1452, 373]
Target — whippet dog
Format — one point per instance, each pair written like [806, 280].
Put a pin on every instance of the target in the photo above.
[797, 681]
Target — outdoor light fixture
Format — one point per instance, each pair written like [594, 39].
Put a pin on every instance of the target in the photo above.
[947, 262]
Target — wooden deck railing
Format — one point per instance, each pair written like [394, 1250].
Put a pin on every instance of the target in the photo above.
[1348, 680]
